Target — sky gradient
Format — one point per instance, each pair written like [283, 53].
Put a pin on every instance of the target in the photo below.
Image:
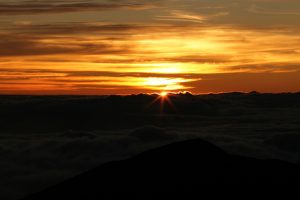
[130, 46]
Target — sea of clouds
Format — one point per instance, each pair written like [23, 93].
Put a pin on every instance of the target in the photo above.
[45, 140]
[33, 162]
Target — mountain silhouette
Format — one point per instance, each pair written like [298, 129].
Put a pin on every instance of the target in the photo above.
[182, 166]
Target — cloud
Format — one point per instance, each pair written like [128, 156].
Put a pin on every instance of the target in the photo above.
[26, 45]
[102, 50]
[263, 82]
[178, 15]
[274, 1]
[47, 139]
[49, 7]
[33, 163]
[287, 142]
[152, 134]
[261, 10]
[77, 134]
[183, 16]
[78, 28]
[266, 67]
[266, 78]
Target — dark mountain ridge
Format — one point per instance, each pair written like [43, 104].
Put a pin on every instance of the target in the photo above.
[183, 166]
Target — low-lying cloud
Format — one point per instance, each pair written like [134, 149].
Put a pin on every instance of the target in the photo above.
[64, 136]
[31, 163]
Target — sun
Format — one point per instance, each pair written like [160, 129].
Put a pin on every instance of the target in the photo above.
[164, 84]
[164, 99]
[163, 94]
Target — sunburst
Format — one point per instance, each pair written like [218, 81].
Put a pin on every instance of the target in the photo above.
[164, 98]
[163, 94]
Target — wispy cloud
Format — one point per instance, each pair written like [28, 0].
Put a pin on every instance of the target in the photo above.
[37, 46]
[178, 15]
[48, 7]
[261, 10]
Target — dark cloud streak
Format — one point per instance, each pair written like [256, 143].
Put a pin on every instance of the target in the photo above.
[34, 46]
[25, 8]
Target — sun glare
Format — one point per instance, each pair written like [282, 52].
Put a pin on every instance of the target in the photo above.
[163, 94]
[165, 84]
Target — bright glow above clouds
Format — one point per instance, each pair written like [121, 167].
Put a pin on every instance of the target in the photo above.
[129, 47]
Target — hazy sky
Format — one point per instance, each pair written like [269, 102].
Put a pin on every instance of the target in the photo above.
[131, 46]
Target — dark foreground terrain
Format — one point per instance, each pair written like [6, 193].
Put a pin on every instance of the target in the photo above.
[183, 166]
[45, 140]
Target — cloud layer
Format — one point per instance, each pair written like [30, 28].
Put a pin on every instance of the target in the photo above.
[47, 139]
[48, 7]
[114, 45]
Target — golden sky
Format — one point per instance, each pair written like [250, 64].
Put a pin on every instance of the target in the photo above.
[136, 46]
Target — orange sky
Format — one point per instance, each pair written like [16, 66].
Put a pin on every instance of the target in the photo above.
[129, 46]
